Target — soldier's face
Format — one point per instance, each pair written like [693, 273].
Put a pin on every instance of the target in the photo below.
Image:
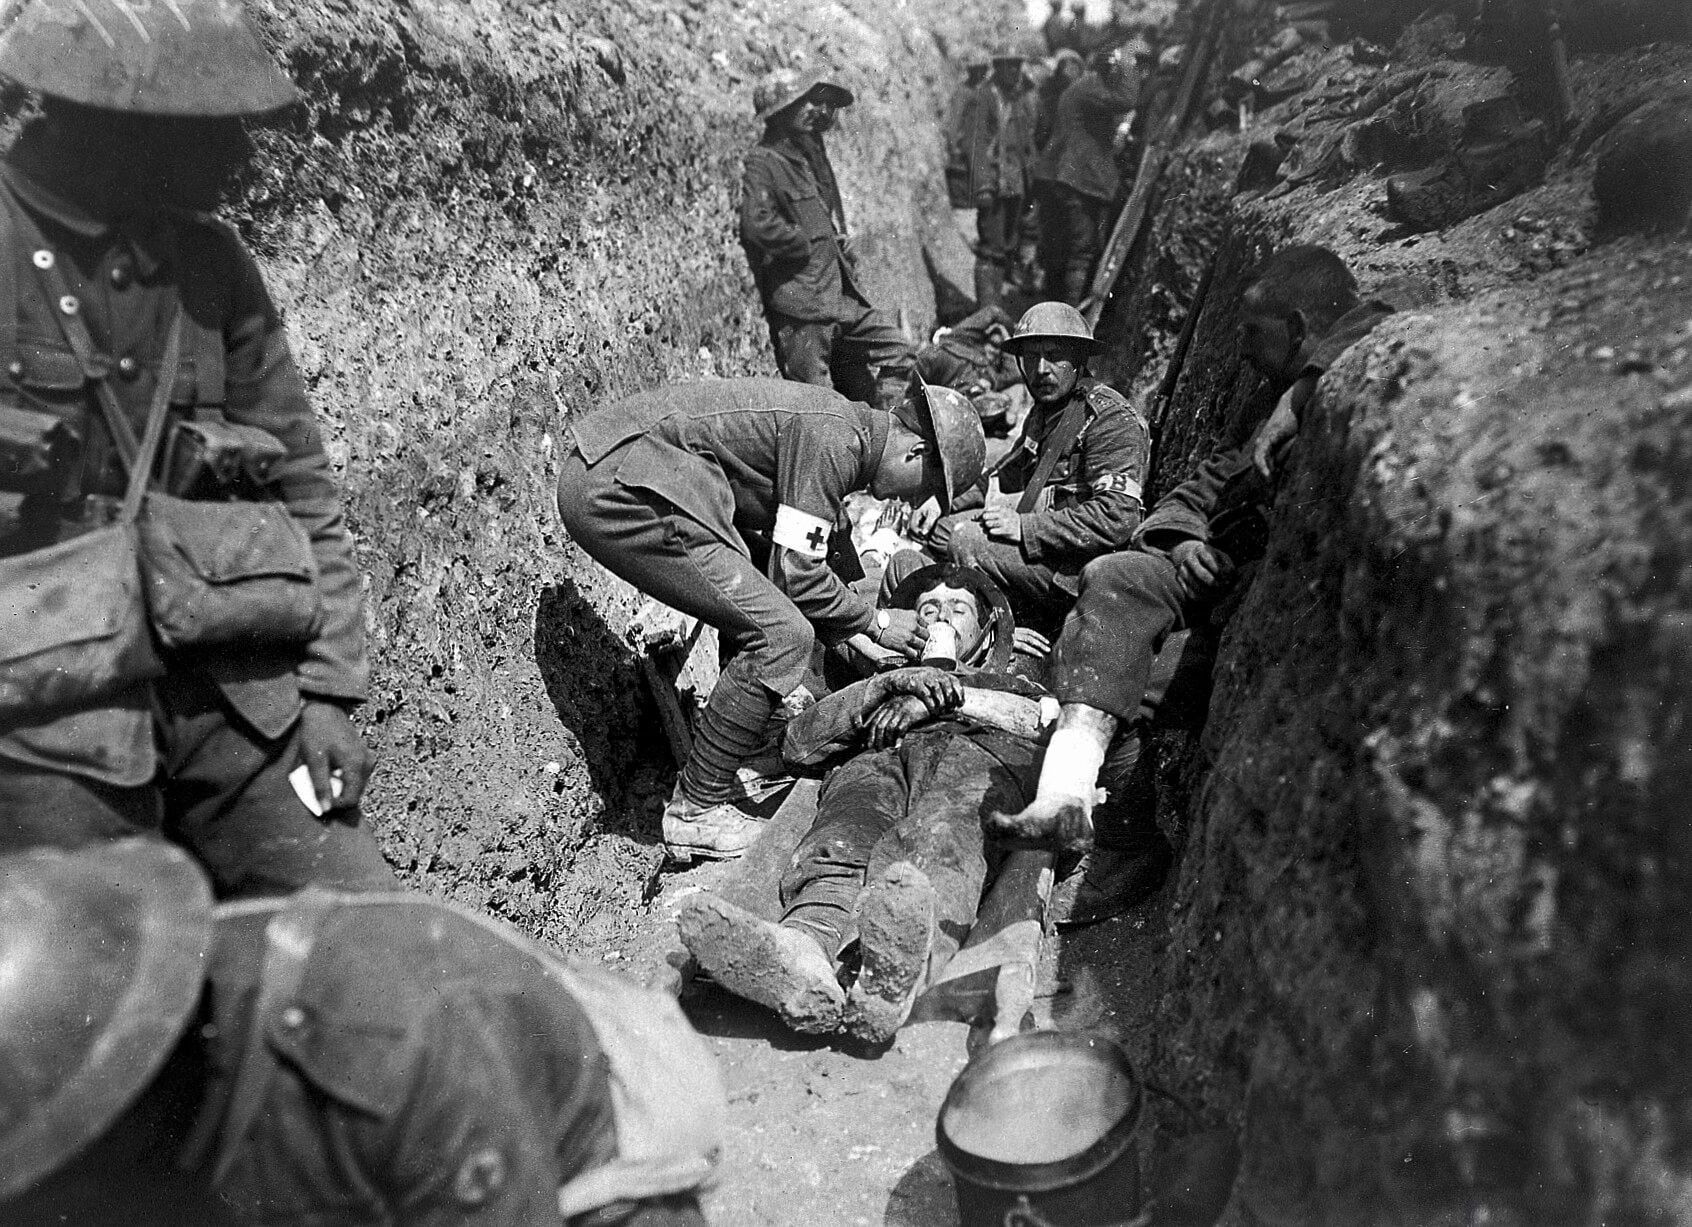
[808, 116]
[957, 606]
[1051, 369]
[1270, 341]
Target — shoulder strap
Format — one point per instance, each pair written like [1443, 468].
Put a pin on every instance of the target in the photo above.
[288, 942]
[1057, 446]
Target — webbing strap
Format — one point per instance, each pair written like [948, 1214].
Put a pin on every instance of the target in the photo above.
[1054, 448]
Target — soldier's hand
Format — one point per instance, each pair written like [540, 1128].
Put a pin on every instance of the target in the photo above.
[893, 719]
[1275, 436]
[938, 690]
[903, 634]
[923, 519]
[1002, 523]
[1030, 642]
[1200, 566]
[330, 742]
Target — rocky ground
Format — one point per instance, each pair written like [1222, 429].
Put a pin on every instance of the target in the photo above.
[1425, 946]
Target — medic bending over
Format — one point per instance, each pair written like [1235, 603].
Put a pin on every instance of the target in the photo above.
[720, 500]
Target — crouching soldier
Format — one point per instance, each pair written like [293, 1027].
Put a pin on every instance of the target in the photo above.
[891, 874]
[1072, 483]
[156, 439]
[1300, 311]
[720, 499]
[325, 1058]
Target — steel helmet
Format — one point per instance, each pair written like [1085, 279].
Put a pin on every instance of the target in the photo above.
[948, 419]
[784, 87]
[101, 965]
[1051, 320]
[182, 58]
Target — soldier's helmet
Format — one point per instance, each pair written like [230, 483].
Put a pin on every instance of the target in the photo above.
[784, 87]
[947, 417]
[101, 966]
[183, 58]
[1051, 321]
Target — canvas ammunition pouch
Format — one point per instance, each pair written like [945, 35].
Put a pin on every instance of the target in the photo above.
[218, 568]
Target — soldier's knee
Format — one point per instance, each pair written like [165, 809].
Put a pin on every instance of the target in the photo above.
[1121, 571]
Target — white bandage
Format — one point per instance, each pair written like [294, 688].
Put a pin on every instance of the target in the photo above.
[1071, 767]
[801, 532]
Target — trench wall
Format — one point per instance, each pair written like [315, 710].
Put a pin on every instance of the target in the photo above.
[491, 215]
[1429, 947]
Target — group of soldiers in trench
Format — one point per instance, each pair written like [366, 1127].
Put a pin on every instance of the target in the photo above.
[216, 1003]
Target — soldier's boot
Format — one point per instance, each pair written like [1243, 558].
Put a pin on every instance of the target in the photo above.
[700, 820]
[717, 832]
[1107, 881]
[895, 927]
[1061, 814]
[782, 969]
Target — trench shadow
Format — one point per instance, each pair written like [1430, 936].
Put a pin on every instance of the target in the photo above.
[721, 1015]
[923, 1196]
[594, 682]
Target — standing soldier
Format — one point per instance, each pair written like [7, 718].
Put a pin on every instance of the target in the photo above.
[145, 360]
[997, 136]
[720, 499]
[793, 227]
[1079, 173]
[1076, 474]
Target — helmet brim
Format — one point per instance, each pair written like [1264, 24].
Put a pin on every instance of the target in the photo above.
[168, 909]
[831, 92]
[1014, 345]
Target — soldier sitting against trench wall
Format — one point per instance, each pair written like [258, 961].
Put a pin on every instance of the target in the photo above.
[1300, 311]
[885, 887]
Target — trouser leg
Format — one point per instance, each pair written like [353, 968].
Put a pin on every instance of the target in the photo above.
[1127, 604]
[1054, 239]
[804, 349]
[228, 800]
[860, 802]
[996, 237]
[1039, 595]
[872, 359]
[951, 785]
[1082, 218]
[40, 808]
[641, 538]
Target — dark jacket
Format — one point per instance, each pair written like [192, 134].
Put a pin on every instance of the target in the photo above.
[1091, 503]
[728, 452]
[235, 356]
[791, 225]
[1227, 501]
[1079, 154]
[996, 134]
[960, 359]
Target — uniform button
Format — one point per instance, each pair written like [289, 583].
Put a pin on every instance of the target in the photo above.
[121, 276]
[128, 367]
[15, 369]
[69, 304]
[43, 258]
[293, 1018]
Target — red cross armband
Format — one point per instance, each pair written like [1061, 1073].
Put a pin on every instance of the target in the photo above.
[801, 532]
[1114, 483]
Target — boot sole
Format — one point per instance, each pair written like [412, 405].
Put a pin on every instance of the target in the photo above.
[741, 954]
[895, 927]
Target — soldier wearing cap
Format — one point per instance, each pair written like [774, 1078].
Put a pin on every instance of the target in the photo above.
[142, 327]
[721, 499]
[325, 1058]
[996, 135]
[793, 227]
[1072, 482]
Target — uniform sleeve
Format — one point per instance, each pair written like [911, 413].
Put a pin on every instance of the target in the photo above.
[1096, 100]
[1184, 513]
[818, 459]
[828, 727]
[763, 227]
[264, 389]
[1114, 457]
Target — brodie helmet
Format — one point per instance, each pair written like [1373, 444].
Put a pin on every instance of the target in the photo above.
[101, 966]
[945, 417]
[1051, 321]
[182, 58]
[784, 87]
[1000, 624]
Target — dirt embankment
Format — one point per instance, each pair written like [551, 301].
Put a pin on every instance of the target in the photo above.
[491, 215]
[1429, 936]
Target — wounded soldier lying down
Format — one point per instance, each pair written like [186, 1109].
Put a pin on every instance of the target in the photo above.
[889, 877]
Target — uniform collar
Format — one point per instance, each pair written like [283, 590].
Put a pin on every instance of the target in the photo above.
[148, 237]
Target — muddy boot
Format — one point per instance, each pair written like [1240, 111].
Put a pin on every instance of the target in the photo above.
[706, 832]
[1106, 882]
[779, 968]
[895, 927]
